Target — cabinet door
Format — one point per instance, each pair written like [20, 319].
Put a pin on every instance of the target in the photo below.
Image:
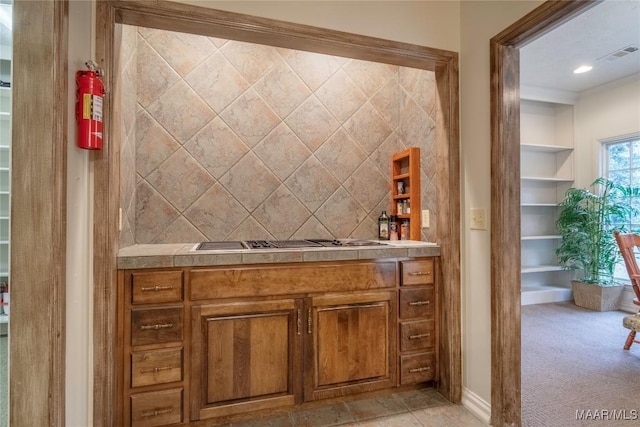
[245, 356]
[350, 344]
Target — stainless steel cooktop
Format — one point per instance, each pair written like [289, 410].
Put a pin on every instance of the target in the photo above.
[285, 244]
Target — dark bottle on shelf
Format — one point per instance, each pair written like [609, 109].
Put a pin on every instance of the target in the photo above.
[383, 226]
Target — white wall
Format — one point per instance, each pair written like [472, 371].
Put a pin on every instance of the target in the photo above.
[426, 23]
[606, 111]
[465, 27]
[479, 21]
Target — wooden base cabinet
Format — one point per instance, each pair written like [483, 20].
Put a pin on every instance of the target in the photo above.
[217, 343]
[350, 344]
[245, 356]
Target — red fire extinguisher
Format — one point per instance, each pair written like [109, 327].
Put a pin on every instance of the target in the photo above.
[89, 98]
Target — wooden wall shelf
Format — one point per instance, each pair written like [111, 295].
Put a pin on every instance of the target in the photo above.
[405, 173]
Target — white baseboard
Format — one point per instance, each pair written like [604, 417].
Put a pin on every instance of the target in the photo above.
[476, 405]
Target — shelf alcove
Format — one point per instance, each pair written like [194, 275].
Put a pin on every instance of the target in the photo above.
[219, 24]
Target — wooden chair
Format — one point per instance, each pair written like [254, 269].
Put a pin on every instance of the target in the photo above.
[627, 243]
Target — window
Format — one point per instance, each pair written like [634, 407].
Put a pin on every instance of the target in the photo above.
[621, 164]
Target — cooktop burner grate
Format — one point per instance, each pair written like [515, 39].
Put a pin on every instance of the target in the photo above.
[266, 244]
[212, 246]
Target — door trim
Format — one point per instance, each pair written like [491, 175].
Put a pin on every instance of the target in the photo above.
[38, 213]
[505, 202]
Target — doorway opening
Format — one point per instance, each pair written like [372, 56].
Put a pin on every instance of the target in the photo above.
[505, 202]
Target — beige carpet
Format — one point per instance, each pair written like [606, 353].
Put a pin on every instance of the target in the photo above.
[573, 361]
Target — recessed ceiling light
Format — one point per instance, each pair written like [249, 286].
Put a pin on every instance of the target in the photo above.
[582, 69]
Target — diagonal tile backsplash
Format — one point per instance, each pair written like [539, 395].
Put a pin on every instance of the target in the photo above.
[235, 140]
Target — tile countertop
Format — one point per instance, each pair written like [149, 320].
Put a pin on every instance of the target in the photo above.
[184, 254]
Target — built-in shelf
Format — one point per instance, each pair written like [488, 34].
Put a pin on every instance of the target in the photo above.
[545, 148]
[541, 269]
[545, 179]
[5, 185]
[543, 294]
[547, 169]
[542, 237]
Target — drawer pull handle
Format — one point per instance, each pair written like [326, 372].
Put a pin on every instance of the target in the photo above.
[414, 370]
[158, 326]
[156, 412]
[156, 288]
[299, 322]
[156, 370]
[419, 303]
[419, 273]
[309, 320]
[419, 336]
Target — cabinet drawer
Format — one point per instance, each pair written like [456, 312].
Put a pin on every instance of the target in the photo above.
[417, 302]
[156, 408]
[416, 335]
[417, 368]
[215, 283]
[156, 325]
[156, 287]
[417, 272]
[156, 367]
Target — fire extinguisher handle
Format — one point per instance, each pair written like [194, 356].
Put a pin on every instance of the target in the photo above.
[93, 66]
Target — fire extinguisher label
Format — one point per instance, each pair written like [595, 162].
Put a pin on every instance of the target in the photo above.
[92, 107]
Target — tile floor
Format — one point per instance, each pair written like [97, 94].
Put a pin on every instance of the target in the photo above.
[414, 408]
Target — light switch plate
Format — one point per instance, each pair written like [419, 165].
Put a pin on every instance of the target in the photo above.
[478, 219]
[425, 218]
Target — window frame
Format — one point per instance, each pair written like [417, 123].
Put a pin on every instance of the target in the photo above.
[620, 272]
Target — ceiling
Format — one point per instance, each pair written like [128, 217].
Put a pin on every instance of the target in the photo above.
[588, 39]
[548, 62]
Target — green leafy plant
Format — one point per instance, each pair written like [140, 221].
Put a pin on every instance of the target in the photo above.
[586, 223]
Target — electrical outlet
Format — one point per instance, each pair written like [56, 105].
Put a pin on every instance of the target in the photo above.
[478, 219]
[425, 218]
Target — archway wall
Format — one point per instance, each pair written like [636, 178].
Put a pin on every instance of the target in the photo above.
[479, 22]
[388, 17]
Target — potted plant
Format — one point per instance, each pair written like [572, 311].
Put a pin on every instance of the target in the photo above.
[586, 221]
